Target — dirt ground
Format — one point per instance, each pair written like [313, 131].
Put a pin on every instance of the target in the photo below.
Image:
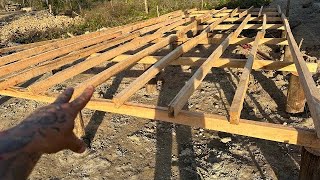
[123, 147]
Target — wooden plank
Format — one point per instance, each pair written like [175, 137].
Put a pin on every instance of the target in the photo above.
[262, 130]
[238, 99]
[239, 29]
[57, 63]
[124, 95]
[22, 64]
[193, 83]
[51, 46]
[25, 46]
[233, 13]
[224, 63]
[260, 11]
[310, 89]
[244, 13]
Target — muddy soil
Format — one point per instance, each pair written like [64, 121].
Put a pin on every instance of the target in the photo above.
[123, 147]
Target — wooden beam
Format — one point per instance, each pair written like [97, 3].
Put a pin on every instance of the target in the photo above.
[310, 89]
[224, 63]
[233, 13]
[262, 130]
[239, 40]
[124, 95]
[22, 64]
[260, 11]
[25, 46]
[238, 99]
[248, 26]
[193, 83]
[49, 47]
[252, 19]
[57, 63]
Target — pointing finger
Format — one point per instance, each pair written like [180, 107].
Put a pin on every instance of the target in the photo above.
[81, 101]
[64, 97]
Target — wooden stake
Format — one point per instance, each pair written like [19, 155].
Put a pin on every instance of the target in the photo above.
[146, 6]
[310, 164]
[158, 13]
[151, 86]
[309, 87]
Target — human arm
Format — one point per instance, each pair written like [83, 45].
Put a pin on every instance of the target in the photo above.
[47, 130]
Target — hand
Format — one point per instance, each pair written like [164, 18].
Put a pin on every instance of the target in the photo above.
[51, 126]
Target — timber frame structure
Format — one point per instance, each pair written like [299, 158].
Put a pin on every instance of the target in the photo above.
[89, 50]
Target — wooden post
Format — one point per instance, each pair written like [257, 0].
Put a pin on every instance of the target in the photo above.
[307, 3]
[158, 13]
[79, 126]
[146, 6]
[202, 4]
[296, 99]
[310, 164]
[288, 8]
[151, 86]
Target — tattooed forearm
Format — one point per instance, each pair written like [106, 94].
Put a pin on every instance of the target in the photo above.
[47, 130]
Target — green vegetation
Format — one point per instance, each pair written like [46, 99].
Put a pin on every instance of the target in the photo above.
[109, 13]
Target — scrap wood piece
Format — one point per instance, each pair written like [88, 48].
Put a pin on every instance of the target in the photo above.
[125, 94]
[309, 87]
[193, 83]
[59, 62]
[262, 130]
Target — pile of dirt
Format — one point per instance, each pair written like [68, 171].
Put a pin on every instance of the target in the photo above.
[37, 25]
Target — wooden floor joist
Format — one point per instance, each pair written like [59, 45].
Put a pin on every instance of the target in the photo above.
[188, 38]
[238, 99]
[124, 95]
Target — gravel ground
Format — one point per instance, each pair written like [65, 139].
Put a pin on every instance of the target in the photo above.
[35, 25]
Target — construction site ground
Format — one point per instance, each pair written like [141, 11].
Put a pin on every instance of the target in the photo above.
[123, 147]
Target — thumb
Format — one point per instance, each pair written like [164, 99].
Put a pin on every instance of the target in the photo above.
[76, 145]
